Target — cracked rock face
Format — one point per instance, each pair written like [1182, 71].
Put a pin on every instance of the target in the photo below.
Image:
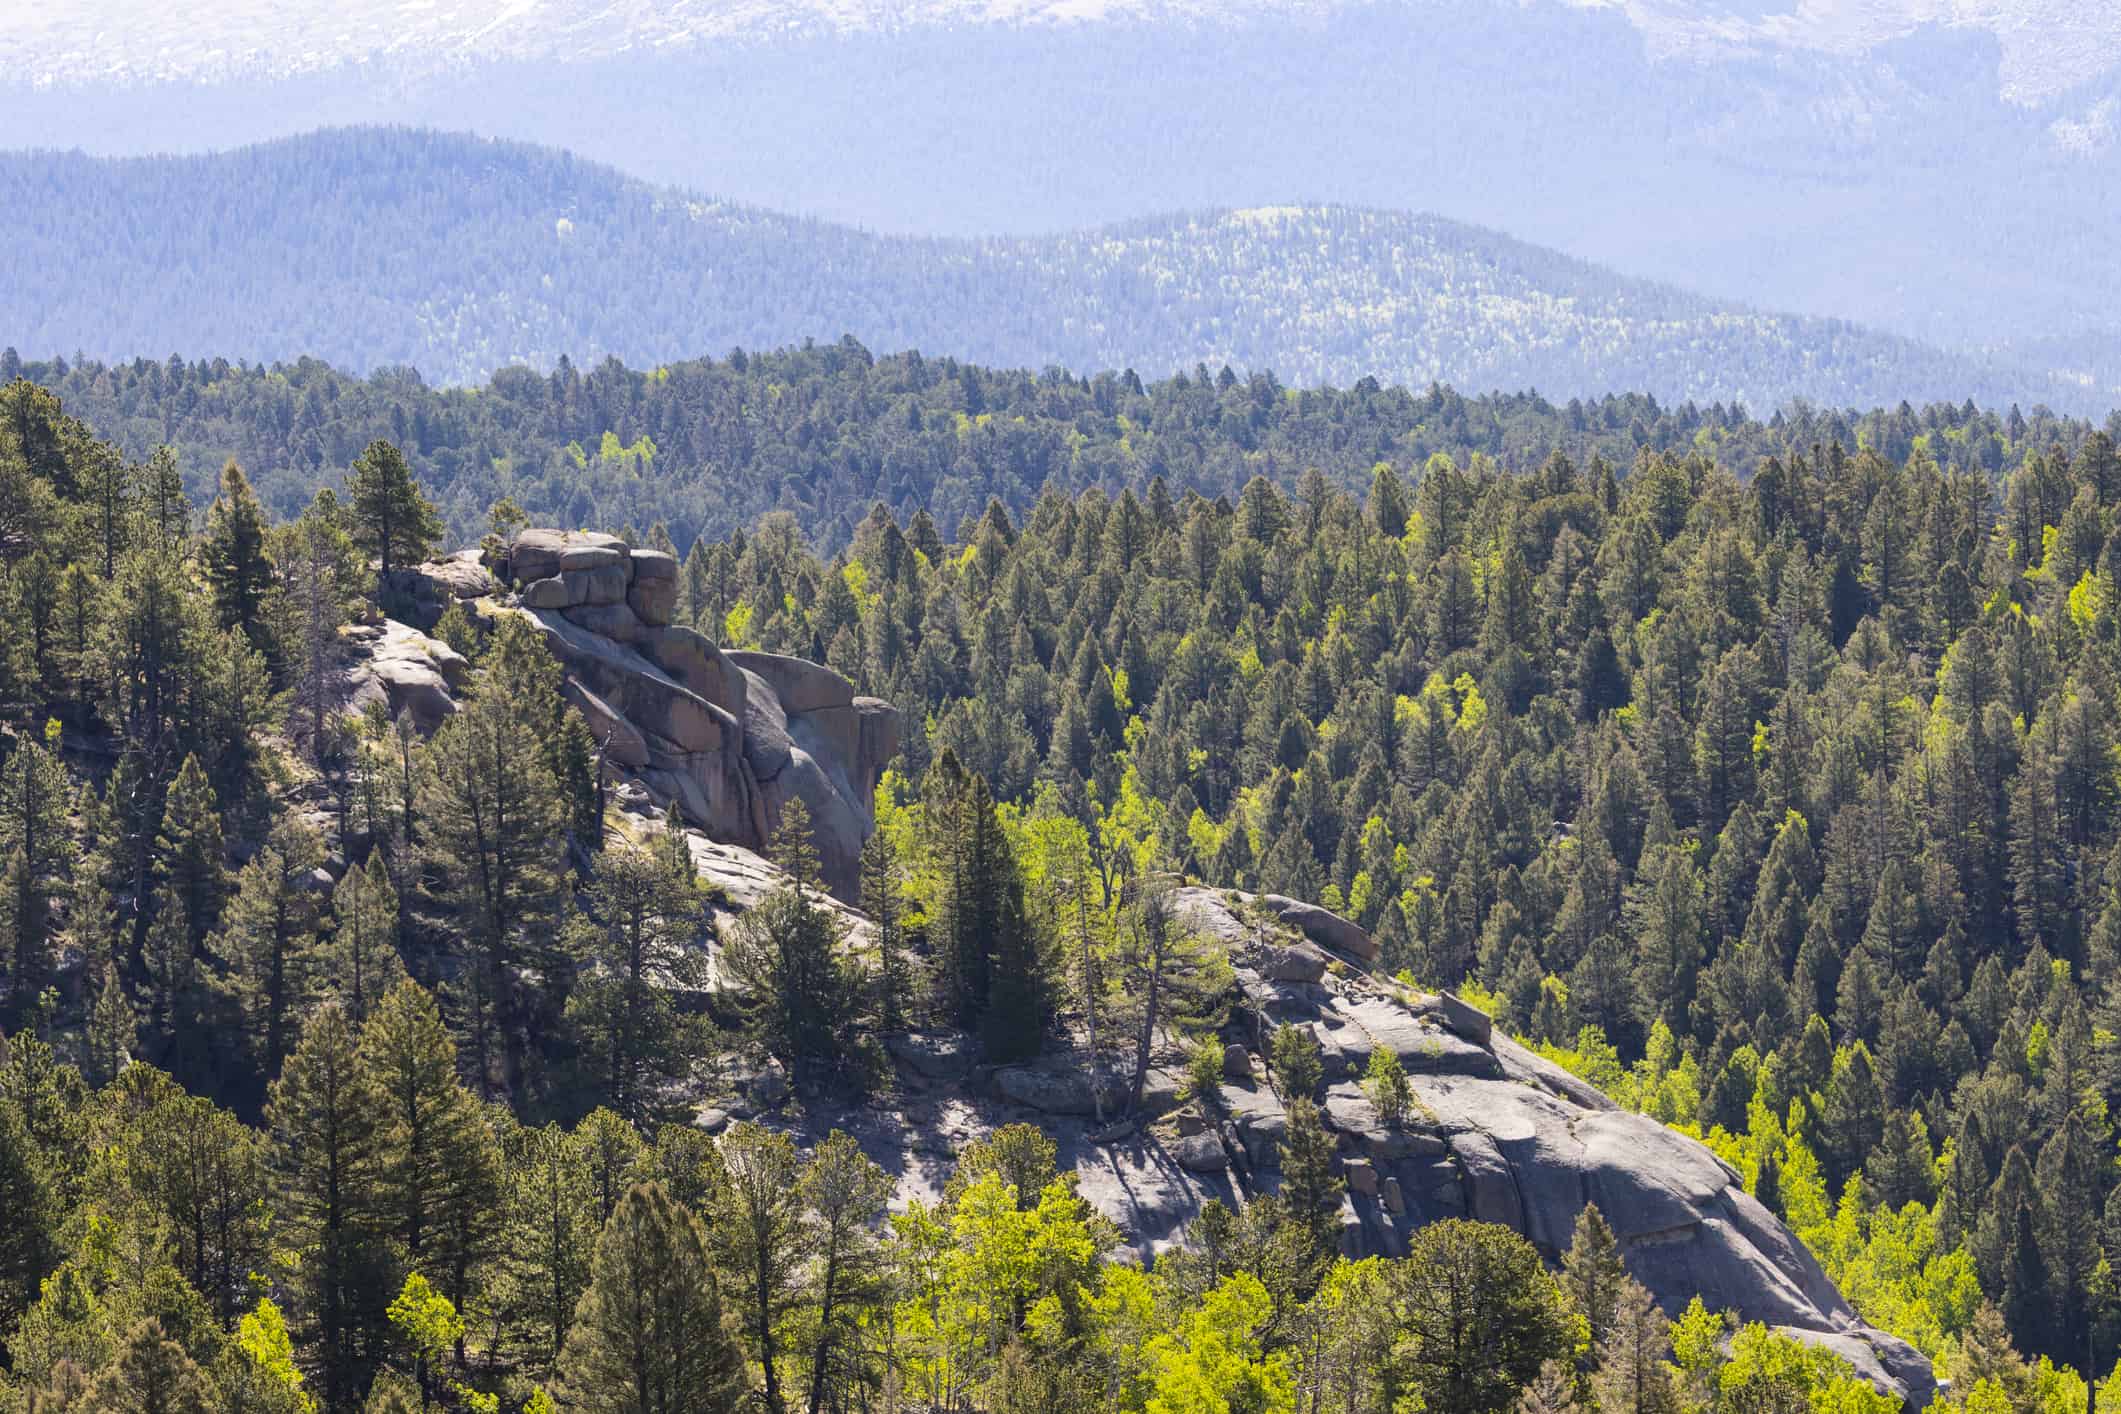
[732, 737]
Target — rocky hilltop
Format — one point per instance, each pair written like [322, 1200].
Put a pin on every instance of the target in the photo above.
[1496, 1133]
[730, 736]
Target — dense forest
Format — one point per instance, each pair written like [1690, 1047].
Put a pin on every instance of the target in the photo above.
[376, 248]
[347, 1069]
[707, 446]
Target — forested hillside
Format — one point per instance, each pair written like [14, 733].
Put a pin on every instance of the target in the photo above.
[346, 1069]
[707, 446]
[374, 248]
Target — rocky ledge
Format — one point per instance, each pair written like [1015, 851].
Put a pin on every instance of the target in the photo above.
[1497, 1134]
[730, 736]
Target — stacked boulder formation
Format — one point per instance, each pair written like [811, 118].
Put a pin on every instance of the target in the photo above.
[730, 736]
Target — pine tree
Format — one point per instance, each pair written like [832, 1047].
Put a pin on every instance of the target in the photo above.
[152, 1375]
[1477, 1316]
[239, 570]
[359, 963]
[26, 1241]
[321, 580]
[550, 1237]
[881, 881]
[1900, 1168]
[189, 854]
[845, 1193]
[391, 520]
[164, 509]
[1852, 1120]
[326, 1117]
[2070, 1180]
[761, 1238]
[1593, 1278]
[37, 844]
[113, 1029]
[639, 939]
[648, 1337]
[1634, 1376]
[1310, 1187]
[268, 939]
[438, 1179]
[491, 818]
[799, 994]
[203, 1171]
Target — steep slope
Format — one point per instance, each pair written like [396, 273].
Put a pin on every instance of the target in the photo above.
[457, 256]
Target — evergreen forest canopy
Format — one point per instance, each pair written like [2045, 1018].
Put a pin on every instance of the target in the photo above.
[393, 247]
[1782, 805]
[824, 431]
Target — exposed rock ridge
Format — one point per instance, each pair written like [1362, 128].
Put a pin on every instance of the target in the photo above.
[730, 736]
[1497, 1134]
[1504, 1136]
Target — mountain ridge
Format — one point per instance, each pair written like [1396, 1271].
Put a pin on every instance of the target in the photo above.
[458, 255]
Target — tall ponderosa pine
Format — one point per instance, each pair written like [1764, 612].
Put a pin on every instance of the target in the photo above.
[36, 842]
[639, 938]
[391, 519]
[882, 879]
[359, 964]
[761, 1239]
[490, 811]
[268, 939]
[189, 854]
[648, 1337]
[846, 1193]
[326, 1119]
[438, 1180]
[237, 565]
[799, 994]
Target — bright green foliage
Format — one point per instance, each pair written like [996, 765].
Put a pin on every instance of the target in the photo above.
[1385, 1082]
[1212, 1361]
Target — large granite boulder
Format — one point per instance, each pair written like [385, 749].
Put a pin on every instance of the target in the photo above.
[731, 737]
[1501, 1135]
[403, 670]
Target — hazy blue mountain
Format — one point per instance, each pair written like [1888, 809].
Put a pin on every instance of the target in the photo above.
[457, 256]
[1942, 180]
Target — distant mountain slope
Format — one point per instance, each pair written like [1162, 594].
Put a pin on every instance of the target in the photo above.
[1934, 168]
[457, 256]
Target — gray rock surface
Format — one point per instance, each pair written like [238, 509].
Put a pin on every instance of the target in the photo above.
[401, 668]
[732, 737]
[1496, 1134]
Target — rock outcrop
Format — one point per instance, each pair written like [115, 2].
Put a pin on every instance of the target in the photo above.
[1497, 1134]
[401, 669]
[731, 736]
